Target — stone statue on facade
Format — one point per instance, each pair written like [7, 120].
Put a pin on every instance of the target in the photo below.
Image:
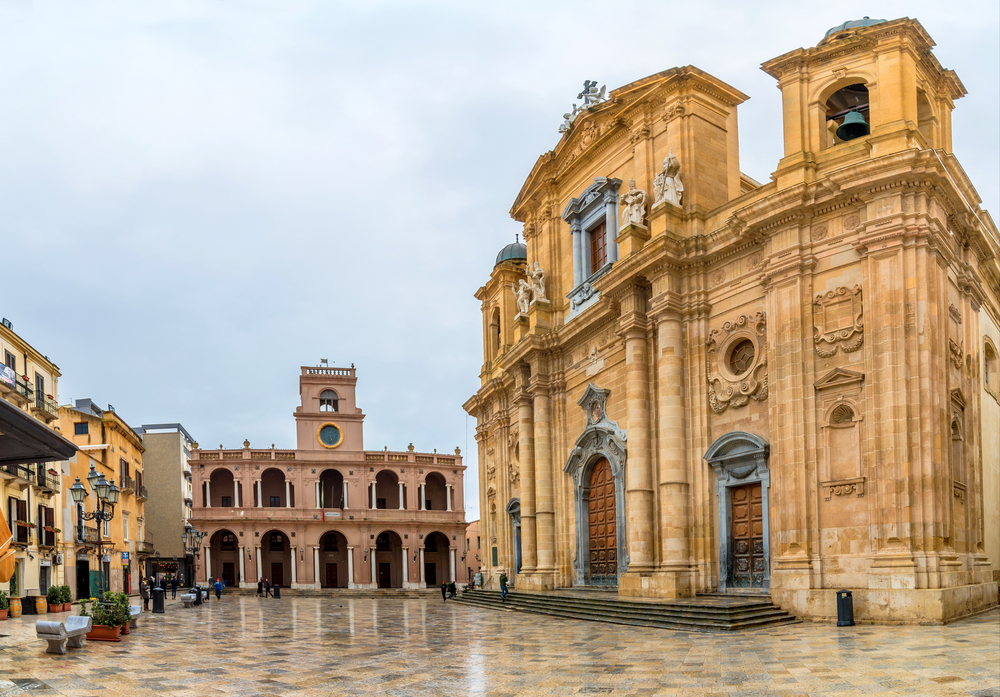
[537, 277]
[522, 296]
[634, 202]
[591, 95]
[667, 185]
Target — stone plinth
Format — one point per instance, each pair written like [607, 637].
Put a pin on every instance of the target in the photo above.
[631, 239]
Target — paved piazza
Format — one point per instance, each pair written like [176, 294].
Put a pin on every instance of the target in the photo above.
[323, 646]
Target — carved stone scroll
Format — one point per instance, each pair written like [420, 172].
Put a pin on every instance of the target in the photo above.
[839, 319]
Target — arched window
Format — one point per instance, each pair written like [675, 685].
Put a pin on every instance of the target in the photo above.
[495, 331]
[328, 401]
[990, 374]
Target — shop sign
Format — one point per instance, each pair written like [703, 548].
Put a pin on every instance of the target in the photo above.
[7, 375]
[45, 562]
[330, 515]
[107, 558]
[124, 556]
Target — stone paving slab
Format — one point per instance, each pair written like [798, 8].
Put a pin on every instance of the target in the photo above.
[249, 646]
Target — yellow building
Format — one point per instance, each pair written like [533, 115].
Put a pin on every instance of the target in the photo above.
[702, 383]
[31, 491]
[109, 445]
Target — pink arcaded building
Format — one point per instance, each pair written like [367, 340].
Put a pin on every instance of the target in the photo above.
[329, 514]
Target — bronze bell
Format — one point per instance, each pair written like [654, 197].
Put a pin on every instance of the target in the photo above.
[854, 126]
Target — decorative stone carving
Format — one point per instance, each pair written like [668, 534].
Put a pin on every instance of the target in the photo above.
[955, 349]
[667, 185]
[674, 111]
[852, 221]
[601, 437]
[838, 315]
[756, 259]
[737, 362]
[955, 313]
[959, 491]
[590, 95]
[522, 296]
[844, 487]
[718, 277]
[634, 201]
[537, 277]
[819, 232]
[584, 294]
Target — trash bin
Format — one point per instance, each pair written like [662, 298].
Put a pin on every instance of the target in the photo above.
[845, 609]
[277, 591]
[158, 595]
[197, 594]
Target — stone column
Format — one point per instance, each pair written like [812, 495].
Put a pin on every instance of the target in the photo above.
[208, 493]
[344, 488]
[374, 501]
[578, 266]
[260, 563]
[260, 494]
[319, 503]
[243, 570]
[423, 497]
[350, 567]
[402, 498]
[611, 225]
[544, 486]
[451, 564]
[288, 493]
[371, 567]
[208, 563]
[423, 579]
[675, 550]
[526, 447]
[316, 566]
[295, 565]
[640, 524]
[447, 491]
[236, 493]
[406, 568]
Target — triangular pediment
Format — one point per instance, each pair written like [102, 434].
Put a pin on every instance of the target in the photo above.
[957, 398]
[839, 377]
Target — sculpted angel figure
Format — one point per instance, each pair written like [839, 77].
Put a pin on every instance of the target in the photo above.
[522, 296]
[537, 277]
[667, 185]
[634, 201]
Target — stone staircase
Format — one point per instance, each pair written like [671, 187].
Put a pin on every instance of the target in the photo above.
[714, 612]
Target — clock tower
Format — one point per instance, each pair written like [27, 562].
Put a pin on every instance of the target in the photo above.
[328, 419]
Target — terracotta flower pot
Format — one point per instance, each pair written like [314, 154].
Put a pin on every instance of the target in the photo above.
[125, 629]
[3, 614]
[102, 632]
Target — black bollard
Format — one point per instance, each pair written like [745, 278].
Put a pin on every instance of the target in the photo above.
[277, 592]
[845, 609]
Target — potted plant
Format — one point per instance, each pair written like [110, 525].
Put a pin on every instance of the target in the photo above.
[54, 596]
[67, 598]
[105, 624]
[120, 605]
[4, 605]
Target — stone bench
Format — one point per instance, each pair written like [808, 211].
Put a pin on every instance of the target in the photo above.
[188, 599]
[72, 632]
[134, 611]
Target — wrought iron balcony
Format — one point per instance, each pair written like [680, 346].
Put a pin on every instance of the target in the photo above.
[127, 485]
[144, 548]
[20, 471]
[45, 408]
[141, 493]
[86, 534]
[23, 390]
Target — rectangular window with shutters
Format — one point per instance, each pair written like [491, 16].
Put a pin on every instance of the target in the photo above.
[81, 428]
[598, 247]
[125, 526]
[10, 360]
[125, 470]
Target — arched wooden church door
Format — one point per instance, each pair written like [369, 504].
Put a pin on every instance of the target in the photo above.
[603, 526]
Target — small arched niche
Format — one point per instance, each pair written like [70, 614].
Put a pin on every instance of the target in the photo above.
[329, 401]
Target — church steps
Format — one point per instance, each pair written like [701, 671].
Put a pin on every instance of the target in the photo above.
[712, 615]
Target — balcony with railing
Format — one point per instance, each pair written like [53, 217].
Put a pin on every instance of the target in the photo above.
[45, 408]
[22, 472]
[23, 391]
[144, 547]
[141, 493]
[47, 537]
[45, 479]
[87, 534]
[127, 484]
[22, 533]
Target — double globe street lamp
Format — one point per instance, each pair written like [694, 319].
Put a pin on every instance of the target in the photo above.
[104, 510]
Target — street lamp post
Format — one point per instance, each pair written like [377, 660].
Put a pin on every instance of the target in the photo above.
[192, 544]
[104, 510]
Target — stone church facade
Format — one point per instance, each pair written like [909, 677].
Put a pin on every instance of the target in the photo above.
[694, 382]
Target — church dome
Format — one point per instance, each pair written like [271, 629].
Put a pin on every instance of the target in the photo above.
[851, 24]
[514, 251]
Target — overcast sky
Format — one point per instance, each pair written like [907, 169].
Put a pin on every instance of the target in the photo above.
[197, 198]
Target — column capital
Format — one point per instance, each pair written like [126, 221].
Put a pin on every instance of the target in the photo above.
[665, 306]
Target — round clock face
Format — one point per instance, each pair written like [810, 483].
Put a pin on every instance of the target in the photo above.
[330, 435]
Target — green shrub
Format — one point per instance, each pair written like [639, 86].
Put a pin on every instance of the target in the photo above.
[4, 601]
[53, 595]
[65, 596]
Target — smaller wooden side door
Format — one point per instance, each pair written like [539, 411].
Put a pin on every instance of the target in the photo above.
[331, 575]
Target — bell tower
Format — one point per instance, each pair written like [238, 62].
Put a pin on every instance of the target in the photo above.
[329, 419]
[878, 76]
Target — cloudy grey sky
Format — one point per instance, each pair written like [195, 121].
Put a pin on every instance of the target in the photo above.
[196, 198]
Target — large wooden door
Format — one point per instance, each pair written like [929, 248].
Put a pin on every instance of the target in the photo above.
[748, 566]
[277, 575]
[603, 526]
[331, 575]
[384, 575]
[229, 573]
[430, 574]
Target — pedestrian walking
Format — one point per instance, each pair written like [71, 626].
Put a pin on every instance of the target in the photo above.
[219, 585]
[260, 588]
[267, 587]
[452, 591]
[444, 591]
[163, 583]
[503, 587]
[144, 592]
[173, 588]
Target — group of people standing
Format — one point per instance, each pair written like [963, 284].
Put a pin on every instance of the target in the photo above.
[146, 584]
[264, 588]
[448, 590]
